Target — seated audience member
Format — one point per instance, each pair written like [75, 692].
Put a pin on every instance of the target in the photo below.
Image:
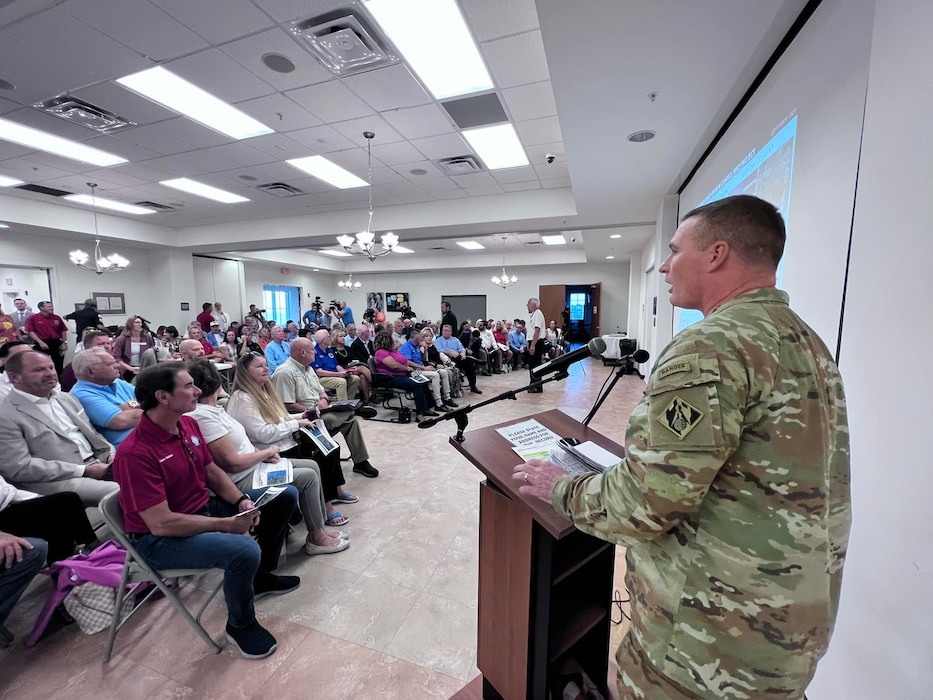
[517, 345]
[246, 344]
[93, 338]
[235, 454]
[180, 507]
[395, 365]
[191, 349]
[46, 441]
[299, 387]
[351, 333]
[195, 333]
[291, 331]
[555, 338]
[438, 360]
[334, 377]
[130, 345]
[490, 347]
[170, 339]
[21, 558]
[256, 313]
[502, 340]
[229, 346]
[59, 519]
[476, 351]
[362, 346]
[398, 333]
[7, 350]
[414, 351]
[453, 348]
[465, 334]
[277, 350]
[256, 405]
[110, 402]
[263, 337]
[338, 343]
[215, 336]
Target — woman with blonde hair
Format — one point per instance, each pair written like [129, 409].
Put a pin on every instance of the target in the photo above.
[133, 341]
[257, 406]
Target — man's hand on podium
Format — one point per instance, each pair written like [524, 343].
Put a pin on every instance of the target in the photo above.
[538, 478]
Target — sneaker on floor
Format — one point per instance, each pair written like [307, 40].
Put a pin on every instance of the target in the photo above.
[312, 549]
[449, 402]
[266, 584]
[366, 469]
[254, 641]
[366, 412]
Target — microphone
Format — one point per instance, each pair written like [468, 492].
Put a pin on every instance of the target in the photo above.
[640, 356]
[596, 346]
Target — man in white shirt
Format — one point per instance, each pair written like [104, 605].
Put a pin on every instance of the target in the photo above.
[46, 441]
[223, 320]
[536, 336]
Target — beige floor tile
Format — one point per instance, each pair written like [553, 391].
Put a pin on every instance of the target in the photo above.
[456, 576]
[406, 562]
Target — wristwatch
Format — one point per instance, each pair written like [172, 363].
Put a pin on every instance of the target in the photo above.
[132, 404]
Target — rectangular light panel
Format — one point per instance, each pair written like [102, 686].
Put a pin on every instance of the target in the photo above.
[167, 89]
[470, 245]
[66, 148]
[402, 249]
[497, 145]
[337, 253]
[556, 239]
[108, 204]
[436, 43]
[202, 190]
[9, 181]
[331, 173]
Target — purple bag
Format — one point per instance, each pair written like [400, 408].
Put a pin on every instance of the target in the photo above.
[103, 566]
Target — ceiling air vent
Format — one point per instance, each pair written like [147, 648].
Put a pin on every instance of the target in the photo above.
[344, 42]
[156, 206]
[460, 165]
[84, 113]
[440, 247]
[279, 189]
[39, 189]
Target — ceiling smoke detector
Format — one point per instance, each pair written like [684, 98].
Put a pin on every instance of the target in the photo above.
[344, 43]
[84, 113]
[641, 136]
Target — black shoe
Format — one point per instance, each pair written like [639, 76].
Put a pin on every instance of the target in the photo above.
[254, 641]
[430, 412]
[366, 469]
[366, 412]
[497, 371]
[266, 584]
[475, 390]
[62, 616]
[442, 408]
[449, 402]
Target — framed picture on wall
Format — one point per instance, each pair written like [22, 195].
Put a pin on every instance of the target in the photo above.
[375, 301]
[109, 302]
[397, 301]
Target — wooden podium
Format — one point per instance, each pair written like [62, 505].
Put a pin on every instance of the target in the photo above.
[545, 588]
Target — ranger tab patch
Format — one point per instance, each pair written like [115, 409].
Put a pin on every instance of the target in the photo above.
[680, 417]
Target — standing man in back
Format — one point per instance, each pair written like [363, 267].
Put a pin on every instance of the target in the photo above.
[536, 336]
[733, 497]
[49, 333]
[448, 317]
[86, 317]
[20, 316]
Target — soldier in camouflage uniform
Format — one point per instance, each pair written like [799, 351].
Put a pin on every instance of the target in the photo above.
[733, 499]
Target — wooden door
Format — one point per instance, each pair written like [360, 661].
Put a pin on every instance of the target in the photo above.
[553, 300]
[595, 307]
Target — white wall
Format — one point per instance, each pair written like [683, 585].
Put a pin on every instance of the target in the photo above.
[883, 643]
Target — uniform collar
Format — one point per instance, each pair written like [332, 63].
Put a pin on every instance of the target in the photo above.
[765, 295]
[149, 432]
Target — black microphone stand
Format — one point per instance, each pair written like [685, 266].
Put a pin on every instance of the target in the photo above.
[460, 414]
[626, 363]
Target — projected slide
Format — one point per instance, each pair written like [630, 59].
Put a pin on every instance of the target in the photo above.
[765, 173]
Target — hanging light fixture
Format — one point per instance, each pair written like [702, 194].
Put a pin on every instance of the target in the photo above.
[348, 284]
[111, 263]
[365, 241]
[505, 281]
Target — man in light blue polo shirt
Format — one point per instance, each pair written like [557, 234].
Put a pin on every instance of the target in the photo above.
[453, 348]
[110, 402]
[277, 352]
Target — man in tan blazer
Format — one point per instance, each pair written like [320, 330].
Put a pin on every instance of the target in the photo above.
[47, 444]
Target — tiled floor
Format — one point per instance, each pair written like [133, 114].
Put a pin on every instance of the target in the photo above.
[394, 616]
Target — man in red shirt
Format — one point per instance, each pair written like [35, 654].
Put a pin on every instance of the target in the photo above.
[206, 317]
[165, 470]
[50, 334]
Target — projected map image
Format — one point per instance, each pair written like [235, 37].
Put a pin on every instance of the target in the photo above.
[765, 173]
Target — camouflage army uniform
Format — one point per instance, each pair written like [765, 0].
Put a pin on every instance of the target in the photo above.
[734, 503]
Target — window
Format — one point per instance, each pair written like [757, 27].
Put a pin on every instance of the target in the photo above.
[577, 306]
[280, 303]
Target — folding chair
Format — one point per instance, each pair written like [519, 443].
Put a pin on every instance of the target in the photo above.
[136, 570]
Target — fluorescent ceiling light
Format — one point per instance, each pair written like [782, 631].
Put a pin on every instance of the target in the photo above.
[436, 43]
[331, 173]
[202, 190]
[402, 249]
[44, 141]
[610, 257]
[166, 88]
[108, 204]
[470, 245]
[9, 181]
[556, 239]
[4, 226]
[616, 235]
[337, 253]
[498, 146]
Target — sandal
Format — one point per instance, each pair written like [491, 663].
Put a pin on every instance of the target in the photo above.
[346, 498]
[336, 519]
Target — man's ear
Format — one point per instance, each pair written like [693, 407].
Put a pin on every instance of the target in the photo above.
[717, 254]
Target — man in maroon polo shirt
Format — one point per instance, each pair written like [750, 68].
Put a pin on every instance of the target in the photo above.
[50, 334]
[205, 317]
[165, 470]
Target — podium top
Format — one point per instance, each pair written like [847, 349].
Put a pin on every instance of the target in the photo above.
[492, 454]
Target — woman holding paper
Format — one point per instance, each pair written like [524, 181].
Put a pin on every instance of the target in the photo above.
[251, 468]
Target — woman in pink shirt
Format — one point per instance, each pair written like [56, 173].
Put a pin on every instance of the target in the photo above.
[394, 364]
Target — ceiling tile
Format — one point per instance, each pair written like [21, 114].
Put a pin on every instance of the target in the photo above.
[397, 153]
[192, 132]
[152, 139]
[442, 146]
[217, 20]
[415, 198]
[555, 183]
[521, 186]
[28, 170]
[475, 180]
[276, 171]
[331, 101]
[355, 160]
[492, 19]
[415, 122]
[60, 164]
[53, 125]
[38, 74]
[548, 171]
[405, 170]
[142, 172]
[536, 131]
[402, 189]
[68, 39]
[12, 150]
[204, 161]
[354, 128]
[287, 10]
[383, 176]
[124, 103]
[278, 112]
[218, 74]
[530, 101]
[387, 88]
[173, 165]
[508, 175]
[240, 153]
[483, 191]
[437, 184]
[450, 194]
[8, 105]
[321, 139]
[248, 53]
[517, 60]
[138, 25]
[121, 148]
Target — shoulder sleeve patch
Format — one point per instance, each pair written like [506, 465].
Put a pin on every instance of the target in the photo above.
[680, 417]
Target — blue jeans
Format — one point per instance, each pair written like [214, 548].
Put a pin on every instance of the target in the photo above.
[13, 581]
[240, 556]
[418, 391]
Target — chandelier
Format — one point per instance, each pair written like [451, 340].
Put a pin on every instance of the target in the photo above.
[505, 281]
[348, 284]
[111, 263]
[364, 243]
